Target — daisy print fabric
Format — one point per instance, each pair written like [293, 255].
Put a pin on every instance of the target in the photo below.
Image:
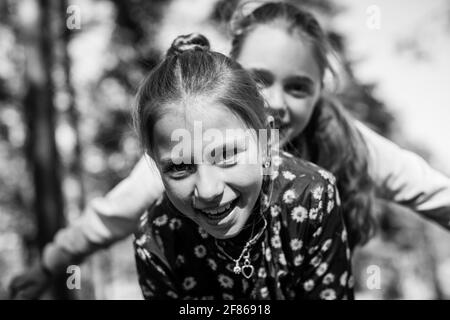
[302, 252]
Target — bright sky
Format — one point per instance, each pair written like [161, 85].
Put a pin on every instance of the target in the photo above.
[416, 90]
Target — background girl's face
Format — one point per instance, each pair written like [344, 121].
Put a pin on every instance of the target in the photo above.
[288, 75]
[209, 180]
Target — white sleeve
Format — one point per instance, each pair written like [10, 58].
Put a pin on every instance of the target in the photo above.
[108, 219]
[405, 178]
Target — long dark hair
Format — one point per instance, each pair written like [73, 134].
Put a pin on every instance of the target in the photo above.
[330, 139]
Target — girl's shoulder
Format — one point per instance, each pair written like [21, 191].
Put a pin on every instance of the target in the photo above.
[160, 229]
[297, 182]
[291, 171]
[303, 195]
[160, 217]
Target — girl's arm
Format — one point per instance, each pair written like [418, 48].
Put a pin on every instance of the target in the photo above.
[406, 178]
[108, 219]
[105, 221]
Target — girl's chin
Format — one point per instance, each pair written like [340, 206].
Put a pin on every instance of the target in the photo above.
[284, 137]
[228, 229]
[223, 232]
[222, 236]
[231, 233]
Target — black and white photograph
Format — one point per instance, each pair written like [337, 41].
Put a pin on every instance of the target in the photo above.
[225, 150]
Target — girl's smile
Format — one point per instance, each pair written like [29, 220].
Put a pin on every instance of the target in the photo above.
[217, 213]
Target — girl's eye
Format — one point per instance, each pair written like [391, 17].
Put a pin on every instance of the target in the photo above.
[227, 158]
[298, 90]
[179, 171]
[263, 79]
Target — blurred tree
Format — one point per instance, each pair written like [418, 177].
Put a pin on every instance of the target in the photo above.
[76, 164]
[109, 144]
[39, 112]
[135, 25]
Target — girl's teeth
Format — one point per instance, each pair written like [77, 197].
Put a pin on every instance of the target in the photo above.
[219, 210]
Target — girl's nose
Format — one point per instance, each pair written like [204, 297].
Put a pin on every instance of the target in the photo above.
[277, 104]
[209, 186]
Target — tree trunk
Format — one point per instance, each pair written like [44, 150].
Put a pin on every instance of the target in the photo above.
[42, 153]
[76, 164]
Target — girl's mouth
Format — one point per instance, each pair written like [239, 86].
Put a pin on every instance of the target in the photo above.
[283, 135]
[219, 213]
[284, 129]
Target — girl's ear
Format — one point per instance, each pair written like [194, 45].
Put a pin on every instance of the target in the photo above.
[270, 121]
[270, 126]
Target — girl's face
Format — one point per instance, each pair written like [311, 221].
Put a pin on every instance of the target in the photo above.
[205, 166]
[288, 75]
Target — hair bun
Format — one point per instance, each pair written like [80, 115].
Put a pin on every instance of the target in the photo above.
[193, 41]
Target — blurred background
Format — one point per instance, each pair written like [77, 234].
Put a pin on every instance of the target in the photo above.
[68, 73]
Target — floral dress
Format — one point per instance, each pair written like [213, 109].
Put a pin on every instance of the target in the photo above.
[301, 253]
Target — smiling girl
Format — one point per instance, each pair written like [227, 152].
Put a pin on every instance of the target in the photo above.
[226, 230]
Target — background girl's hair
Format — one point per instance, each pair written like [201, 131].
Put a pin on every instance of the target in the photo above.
[330, 138]
[191, 71]
[334, 143]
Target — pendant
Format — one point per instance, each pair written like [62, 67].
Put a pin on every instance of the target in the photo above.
[237, 269]
[247, 269]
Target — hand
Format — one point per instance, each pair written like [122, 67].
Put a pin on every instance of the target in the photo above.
[4, 295]
[30, 284]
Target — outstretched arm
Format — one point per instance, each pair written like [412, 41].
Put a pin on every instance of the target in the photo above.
[105, 221]
[406, 178]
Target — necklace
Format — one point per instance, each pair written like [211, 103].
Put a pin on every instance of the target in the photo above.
[246, 268]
